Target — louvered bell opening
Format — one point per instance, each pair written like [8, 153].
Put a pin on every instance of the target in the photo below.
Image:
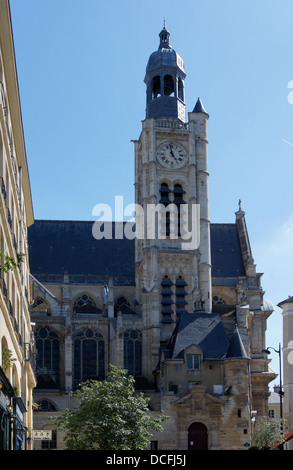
[178, 189]
[180, 290]
[164, 188]
[166, 291]
[167, 319]
[164, 191]
[180, 282]
[166, 310]
[180, 311]
[178, 194]
[166, 300]
[166, 282]
[165, 199]
[181, 301]
[178, 200]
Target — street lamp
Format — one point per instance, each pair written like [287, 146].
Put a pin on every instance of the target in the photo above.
[281, 393]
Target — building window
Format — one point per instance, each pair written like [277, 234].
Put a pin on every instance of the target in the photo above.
[119, 302]
[154, 445]
[133, 352]
[45, 405]
[156, 91]
[89, 356]
[47, 364]
[178, 192]
[169, 85]
[180, 89]
[193, 361]
[165, 200]
[41, 305]
[271, 413]
[177, 195]
[218, 300]
[52, 444]
[85, 305]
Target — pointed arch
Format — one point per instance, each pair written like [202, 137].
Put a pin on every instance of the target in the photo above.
[133, 352]
[85, 304]
[88, 356]
[48, 358]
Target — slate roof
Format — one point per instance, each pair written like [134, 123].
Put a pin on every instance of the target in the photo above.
[236, 348]
[226, 253]
[199, 107]
[59, 246]
[207, 331]
[204, 330]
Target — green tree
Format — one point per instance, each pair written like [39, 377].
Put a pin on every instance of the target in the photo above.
[9, 263]
[109, 415]
[267, 432]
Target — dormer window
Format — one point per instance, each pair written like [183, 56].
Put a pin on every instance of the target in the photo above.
[193, 361]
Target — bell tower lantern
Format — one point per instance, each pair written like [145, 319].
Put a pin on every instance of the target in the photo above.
[164, 79]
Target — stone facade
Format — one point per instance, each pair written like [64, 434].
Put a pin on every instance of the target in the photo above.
[17, 378]
[188, 321]
[287, 365]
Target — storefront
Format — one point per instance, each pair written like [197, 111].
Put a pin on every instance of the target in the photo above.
[19, 430]
[6, 412]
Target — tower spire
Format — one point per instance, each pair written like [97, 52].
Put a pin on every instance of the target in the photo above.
[164, 79]
[164, 38]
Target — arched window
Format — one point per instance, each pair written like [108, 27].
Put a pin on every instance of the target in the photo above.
[178, 192]
[218, 300]
[169, 85]
[156, 91]
[180, 89]
[45, 405]
[165, 200]
[47, 363]
[119, 302]
[41, 305]
[197, 437]
[89, 356]
[132, 352]
[85, 305]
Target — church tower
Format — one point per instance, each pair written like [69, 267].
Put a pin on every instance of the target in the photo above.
[171, 173]
[178, 303]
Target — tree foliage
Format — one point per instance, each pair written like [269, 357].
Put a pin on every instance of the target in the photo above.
[266, 433]
[109, 416]
[9, 263]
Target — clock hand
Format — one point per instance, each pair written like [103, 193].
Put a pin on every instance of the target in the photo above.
[171, 151]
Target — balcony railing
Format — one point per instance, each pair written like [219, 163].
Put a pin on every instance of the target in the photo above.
[30, 354]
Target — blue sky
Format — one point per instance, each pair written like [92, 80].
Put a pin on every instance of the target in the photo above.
[81, 67]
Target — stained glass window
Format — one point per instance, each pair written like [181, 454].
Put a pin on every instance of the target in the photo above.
[132, 352]
[47, 364]
[89, 356]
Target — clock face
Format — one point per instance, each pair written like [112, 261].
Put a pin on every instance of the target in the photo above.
[171, 155]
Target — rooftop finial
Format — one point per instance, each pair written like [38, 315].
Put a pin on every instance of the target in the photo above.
[164, 38]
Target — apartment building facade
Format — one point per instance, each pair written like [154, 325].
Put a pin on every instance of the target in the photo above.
[17, 378]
